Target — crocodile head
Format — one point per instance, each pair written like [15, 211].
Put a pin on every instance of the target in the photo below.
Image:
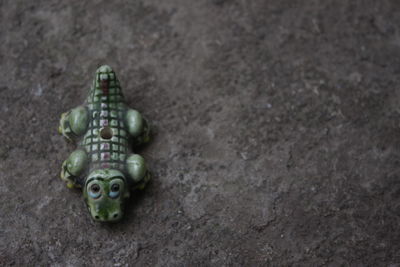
[105, 191]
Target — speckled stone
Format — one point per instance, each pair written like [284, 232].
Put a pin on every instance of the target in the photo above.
[276, 131]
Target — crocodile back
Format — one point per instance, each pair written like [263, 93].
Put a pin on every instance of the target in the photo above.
[106, 140]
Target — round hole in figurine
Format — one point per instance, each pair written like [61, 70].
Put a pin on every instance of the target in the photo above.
[106, 133]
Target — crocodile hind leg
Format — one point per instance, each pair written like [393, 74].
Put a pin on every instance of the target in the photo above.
[137, 170]
[74, 123]
[73, 167]
[138, 127]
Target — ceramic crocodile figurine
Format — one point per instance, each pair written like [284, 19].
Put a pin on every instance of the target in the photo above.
[104, 165]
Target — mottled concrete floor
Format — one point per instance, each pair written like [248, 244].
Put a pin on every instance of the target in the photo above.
[276, 131]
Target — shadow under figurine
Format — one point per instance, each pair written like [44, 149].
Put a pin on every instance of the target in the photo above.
[103, 164]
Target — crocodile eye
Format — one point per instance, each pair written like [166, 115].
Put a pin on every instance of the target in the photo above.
[114, 191]
[94, 191]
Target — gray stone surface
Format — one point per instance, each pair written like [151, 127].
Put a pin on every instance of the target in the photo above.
[276, 131]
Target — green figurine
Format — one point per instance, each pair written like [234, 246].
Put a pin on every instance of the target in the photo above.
[104, 165]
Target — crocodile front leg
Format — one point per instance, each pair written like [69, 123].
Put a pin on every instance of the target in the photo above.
[74, 167]
[137, 170]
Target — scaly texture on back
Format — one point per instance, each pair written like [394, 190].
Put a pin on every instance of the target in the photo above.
[106, 140]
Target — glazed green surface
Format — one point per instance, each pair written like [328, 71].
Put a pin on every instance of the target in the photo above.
[105, 130]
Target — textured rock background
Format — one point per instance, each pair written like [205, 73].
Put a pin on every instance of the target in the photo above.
[276, 131]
